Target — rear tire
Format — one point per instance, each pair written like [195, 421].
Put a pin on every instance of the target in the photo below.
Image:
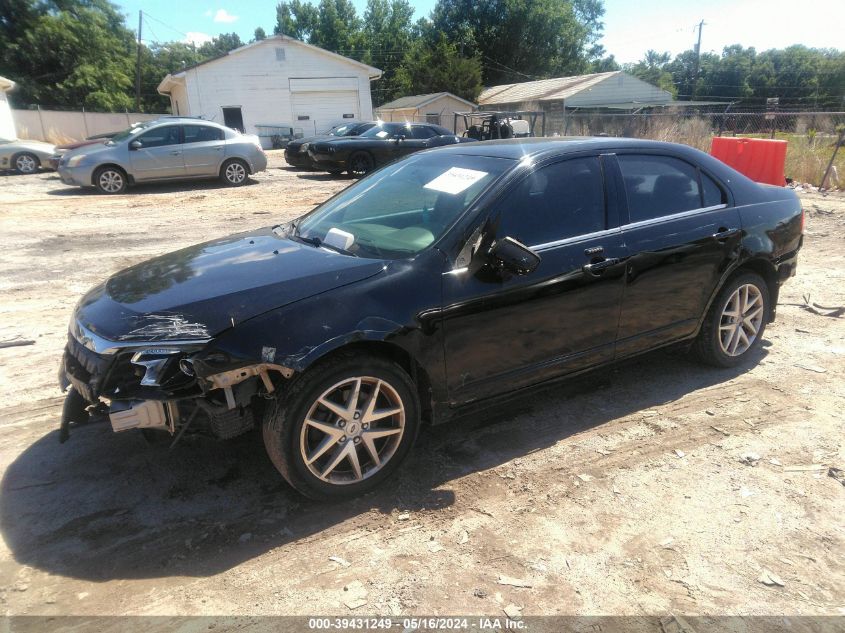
[361, 164]
[735, 322]
[110, 180]
[234, 173]
[26, 163]
[352, 445]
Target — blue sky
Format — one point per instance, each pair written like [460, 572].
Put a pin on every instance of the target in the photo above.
[631, 26]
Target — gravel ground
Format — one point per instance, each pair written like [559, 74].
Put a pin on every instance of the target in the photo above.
[621, 493]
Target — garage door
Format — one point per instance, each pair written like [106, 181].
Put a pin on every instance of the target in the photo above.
[315, 111]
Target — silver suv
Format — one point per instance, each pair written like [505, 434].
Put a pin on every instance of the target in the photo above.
[170, 148]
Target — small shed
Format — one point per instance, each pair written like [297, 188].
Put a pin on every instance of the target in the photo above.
[275, 82]
[437, 107]
[615, 90]
[7, 123]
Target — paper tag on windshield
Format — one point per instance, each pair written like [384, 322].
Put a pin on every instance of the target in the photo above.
[456, 180]
[381, 134]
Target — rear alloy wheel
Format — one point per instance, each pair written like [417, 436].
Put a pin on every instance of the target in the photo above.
[735, 323]
[360, 164]
[26, 163]
[234, 173]
[110, 180]
[344, 428]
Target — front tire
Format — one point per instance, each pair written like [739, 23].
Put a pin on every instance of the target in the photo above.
[735, 322]
[26, 163]
[361, 164]
[110, 180]
[234, 173]
[343, 427]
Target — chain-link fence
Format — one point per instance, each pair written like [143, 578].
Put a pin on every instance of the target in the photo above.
[811, 136]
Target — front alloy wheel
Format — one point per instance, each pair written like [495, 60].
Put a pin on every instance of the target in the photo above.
[352, 430]
[343, 426]
[26, 164]
[360, 164]
[110, 180]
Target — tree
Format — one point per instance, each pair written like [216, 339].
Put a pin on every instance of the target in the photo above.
[295, 19]
[438, 66]
[67, 53]
[220, 45]
[518, 40]
[653, 69]
[337, 28]
[387, 33]
[259, 35]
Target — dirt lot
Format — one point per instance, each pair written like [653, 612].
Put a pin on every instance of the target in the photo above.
[622, 493]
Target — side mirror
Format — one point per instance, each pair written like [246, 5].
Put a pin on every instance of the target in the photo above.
[136, 145]
[400, 137]
[514, 256]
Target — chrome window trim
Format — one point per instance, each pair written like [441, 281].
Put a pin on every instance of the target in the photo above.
[103, 345]
[674, 216]
[574, 239]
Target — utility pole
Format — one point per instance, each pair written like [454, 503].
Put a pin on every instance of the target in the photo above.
[699, 26]
[138, 64]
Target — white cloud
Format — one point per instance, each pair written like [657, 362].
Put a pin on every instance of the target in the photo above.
[224, 16]
[193, 37]
[207, 13]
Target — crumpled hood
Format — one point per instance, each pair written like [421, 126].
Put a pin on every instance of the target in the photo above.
[201, 290]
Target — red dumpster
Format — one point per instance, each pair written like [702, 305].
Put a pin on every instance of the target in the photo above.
[760, 159]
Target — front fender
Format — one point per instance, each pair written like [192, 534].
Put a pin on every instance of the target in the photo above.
[400, 307]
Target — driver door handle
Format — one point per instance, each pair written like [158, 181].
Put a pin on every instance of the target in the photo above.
[597, 268]
[725, 234]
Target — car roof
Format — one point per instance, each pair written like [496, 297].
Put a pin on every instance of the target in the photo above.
[181, 120]
[519, 148]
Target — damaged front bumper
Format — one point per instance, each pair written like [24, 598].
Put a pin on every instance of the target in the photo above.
[161, 385]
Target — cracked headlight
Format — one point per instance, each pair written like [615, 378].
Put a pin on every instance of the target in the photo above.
[303, 148]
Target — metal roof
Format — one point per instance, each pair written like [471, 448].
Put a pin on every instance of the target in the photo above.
[543, 89]
[417, 101]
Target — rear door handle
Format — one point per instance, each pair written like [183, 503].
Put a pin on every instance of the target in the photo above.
[725, 234]
[597, 268]
[175, 153]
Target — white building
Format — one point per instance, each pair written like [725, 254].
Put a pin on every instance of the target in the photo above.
[278, 81]
[7, 123]
[438, 107]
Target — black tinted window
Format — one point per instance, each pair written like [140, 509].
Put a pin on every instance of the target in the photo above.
[556, 202]
[202, 133]
[658, 186]
[160, 136]
[421, 131]
[713, 194]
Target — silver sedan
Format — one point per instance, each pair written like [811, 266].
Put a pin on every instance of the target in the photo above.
[170, 148]
[24, 157]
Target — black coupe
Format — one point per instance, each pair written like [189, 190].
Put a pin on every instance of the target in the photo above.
[380, 145]
[450, 279]
[296, 152]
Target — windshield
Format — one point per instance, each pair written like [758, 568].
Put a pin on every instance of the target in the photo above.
[342, 130]
[125, 134]
[384, 130]
[403, 208]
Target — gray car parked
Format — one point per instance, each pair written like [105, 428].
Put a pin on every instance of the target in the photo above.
[170, 148]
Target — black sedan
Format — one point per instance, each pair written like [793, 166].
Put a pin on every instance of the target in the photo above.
[380, 145]
[296, 152]
[447, 281]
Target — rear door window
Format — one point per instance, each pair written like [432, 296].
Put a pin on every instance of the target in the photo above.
[421, 131]
[555, 202]
[712, 192]
[202, 133]
[657, 186]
